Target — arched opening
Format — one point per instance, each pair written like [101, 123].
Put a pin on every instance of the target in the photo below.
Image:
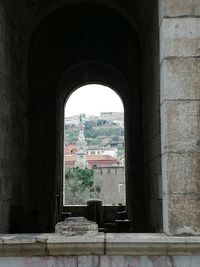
[94, 151]
[74, 46]
[94, 154]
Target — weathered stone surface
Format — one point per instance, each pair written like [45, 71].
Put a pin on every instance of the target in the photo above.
[175, 8]
[183, 214]
[181, 173]
[112, 261]
[180, 79]
[127, 248]
[194, 261]
[104, 261]
[182, 261]
[75, 245]
[88, 261]
[179, 38]
[76, 226]
[38, 261]
[180, 126]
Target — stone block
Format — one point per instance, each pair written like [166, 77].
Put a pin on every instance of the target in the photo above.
[85, 245]
[179, 37]
[195, 261]
[147, 262]
[135, 245]
[182, 261]
[181, 173]
[161, 261]
[183, 214]
[180, 79]
[180, 126]
[125, 261]
[38, 261]
[175, 8]
[88, 261]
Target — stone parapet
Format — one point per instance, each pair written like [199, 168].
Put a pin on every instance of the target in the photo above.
[102, 244]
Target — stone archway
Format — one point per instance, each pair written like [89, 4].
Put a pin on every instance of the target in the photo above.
[91, 65]
[110, 43]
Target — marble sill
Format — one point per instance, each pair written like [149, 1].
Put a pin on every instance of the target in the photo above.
[32, 245]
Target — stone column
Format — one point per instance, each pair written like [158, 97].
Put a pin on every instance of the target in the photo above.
[180, 114]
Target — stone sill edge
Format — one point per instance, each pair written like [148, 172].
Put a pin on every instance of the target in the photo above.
[30, 245]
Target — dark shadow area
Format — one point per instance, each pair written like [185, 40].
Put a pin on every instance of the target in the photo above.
[75, 45]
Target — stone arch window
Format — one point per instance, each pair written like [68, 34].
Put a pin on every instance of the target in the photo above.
[107, 51]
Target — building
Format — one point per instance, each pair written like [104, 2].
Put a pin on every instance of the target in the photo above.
[74, 120]
[112, 116]
[92, 160]
[71, 149]
[111, 151]
[148, 51]
[111, 182]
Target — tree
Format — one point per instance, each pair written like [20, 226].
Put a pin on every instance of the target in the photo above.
[79, 186]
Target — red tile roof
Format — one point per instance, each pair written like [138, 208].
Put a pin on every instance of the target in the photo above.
[98, 160]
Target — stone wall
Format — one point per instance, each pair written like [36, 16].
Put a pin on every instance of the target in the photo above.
[102, 261]
[151, 124]
[112, 183]
[13, 124]
[180, 114]
[102, 250]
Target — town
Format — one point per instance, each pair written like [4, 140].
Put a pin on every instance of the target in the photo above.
[97, 143]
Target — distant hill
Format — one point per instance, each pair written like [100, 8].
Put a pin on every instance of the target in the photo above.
[98, 132]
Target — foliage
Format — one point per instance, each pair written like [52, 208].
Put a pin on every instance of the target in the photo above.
[90, 133]
[71, 137]
[93, 133]
[83, 175]
[79, 186]
[89, 124]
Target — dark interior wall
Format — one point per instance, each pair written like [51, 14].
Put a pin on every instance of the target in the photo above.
[151, 123]
[79, 33]
[75, 45]
[13, 126]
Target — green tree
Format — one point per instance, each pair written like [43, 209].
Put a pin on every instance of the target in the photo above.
[79, 186]
[84, 175]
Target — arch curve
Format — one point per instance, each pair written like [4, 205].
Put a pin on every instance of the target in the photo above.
[91, 71]
[86, 72]
[55, 6]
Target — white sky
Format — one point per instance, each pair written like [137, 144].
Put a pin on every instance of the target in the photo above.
[93, 99]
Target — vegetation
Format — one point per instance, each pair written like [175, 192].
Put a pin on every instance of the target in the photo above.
[71, 137]
[94, 131]
[79, 186]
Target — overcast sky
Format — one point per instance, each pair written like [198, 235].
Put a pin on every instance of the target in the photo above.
[93, 99]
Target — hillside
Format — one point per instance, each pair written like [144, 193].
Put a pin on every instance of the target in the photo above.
[98, 133]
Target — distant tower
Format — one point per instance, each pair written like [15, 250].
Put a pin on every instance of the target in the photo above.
[81, 161]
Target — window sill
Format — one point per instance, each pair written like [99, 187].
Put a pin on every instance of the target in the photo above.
[30, 245]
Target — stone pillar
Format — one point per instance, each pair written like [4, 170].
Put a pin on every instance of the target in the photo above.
[180, 114]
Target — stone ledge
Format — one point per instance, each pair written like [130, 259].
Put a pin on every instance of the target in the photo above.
[108, 244]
